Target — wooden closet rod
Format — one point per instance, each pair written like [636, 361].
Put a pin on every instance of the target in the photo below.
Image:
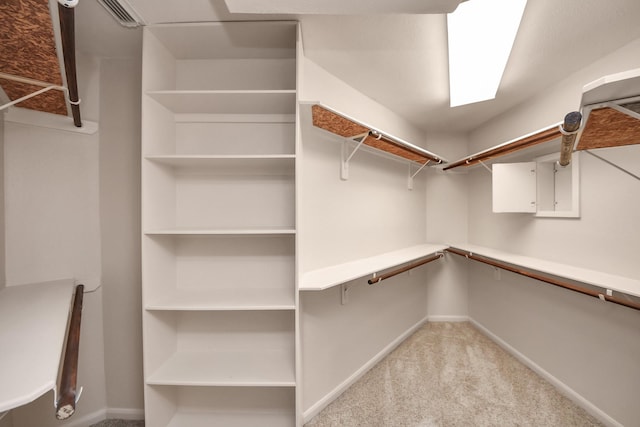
[67, 33]
[545, 279]
[544, 135]
[66, 404]
[382, 277]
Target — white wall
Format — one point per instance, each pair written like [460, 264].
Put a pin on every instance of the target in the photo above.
[590, 346]
[53, 231]
[120, 231]
[446, 221]
[339, 221]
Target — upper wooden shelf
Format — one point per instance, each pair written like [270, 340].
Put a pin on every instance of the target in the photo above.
[611, 109]
[344, 126]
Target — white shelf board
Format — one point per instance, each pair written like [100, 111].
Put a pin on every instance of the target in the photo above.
[227, 101]
[185, 231]
[223, 299]
[251, 368]
[620, 284]
[33, 325]
[612, 87]
[241, 419]
[228, 164]
[324, 278]
[224, 40]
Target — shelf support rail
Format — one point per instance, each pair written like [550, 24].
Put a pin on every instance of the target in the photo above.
[613, 164]
[377, 279]
[346, 156]
[45, 88]
[608, 296]
[65, 402]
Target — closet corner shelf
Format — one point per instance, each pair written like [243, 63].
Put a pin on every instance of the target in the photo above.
[227, 101]
[348, 128]
[325, 278]
[624, 285]
[33, 322]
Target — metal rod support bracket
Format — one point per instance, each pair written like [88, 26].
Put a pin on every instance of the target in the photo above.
[346, 156]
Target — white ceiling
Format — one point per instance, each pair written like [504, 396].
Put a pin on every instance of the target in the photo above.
[401, 60]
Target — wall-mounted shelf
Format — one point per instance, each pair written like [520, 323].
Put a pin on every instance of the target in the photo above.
[325, 278]
[227, 101]
[361, 135]
[623, 285]
[611, 108]
[33, 322]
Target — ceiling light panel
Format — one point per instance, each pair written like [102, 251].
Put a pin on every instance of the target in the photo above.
[481, 34]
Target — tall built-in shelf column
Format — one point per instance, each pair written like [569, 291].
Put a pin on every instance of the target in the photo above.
[218, 221]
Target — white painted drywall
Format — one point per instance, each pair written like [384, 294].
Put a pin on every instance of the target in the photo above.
[446, 221]
[53, 231]
[590, 346]
[120, 231]
[371, 213]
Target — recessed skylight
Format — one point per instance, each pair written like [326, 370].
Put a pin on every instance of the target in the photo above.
[481, 34]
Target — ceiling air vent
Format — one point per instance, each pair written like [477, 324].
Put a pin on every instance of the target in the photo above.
[122, 12]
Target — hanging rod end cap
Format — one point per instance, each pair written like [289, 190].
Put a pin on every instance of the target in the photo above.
[68, 3]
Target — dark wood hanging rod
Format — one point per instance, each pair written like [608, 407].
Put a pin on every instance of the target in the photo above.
[408, 267]
[67, 33]
[545, 135]
[546, 279]
[66, 404]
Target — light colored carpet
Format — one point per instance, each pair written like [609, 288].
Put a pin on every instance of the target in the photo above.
[450, 374]
[119, 423]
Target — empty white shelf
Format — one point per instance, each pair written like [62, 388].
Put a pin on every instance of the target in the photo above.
[227, 368]
[229, 164]
[620, 284]
[224, 299]
[33, 325]
[217, 419]
[227, 101]
[221, 231]
[324, 278]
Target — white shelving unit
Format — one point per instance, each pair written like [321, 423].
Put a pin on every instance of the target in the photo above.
[324, 278]
[218, 220]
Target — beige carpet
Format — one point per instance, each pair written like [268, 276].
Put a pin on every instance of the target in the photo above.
[450, 374]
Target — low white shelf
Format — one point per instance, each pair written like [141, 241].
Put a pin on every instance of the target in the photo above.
[251, 368]
[33, 326]
[620, 284]
[324, 278]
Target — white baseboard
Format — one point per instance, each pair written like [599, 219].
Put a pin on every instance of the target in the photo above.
[341, 388]
[444, 318]
[125, 413]
[87, 420]
[105, 413]
[562, 387]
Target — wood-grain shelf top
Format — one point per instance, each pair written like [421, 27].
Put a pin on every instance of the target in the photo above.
[340, 124]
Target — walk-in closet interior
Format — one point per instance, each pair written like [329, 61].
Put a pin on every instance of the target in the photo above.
[232, 212]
